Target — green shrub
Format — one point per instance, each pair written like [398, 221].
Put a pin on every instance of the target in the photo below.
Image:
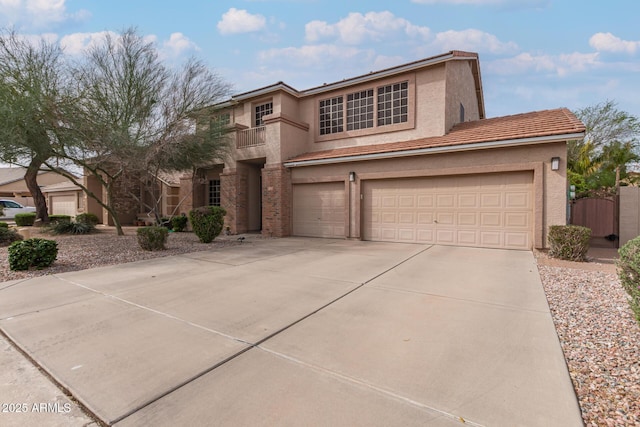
[569, 242]
[25, 219]
[71, 227]
[88, 218]
[166, 222]
[4, 224]
[35, 252]
[8, 236]
[179, 223]
[207, 222]
[53, 219]
[629, 273]
[152, 238]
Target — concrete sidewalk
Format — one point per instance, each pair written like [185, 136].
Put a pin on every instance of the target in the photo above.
[302, 331]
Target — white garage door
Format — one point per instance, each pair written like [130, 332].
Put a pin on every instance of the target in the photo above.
[318, 210]
[63, 205]
[488, 210]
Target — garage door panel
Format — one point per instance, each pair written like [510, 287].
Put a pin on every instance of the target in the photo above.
[489, 210]
[319, 210]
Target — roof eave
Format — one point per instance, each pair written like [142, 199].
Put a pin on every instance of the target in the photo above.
[435, 150]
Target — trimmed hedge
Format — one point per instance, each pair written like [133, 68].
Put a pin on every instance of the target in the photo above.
[25, 219]
[569, 242]
[207, 222]
[35, 252]
[53, 219]
[4, 224]
[8, 236]
[152, 238]
[179, 223]
[88, 218]
[629, 273]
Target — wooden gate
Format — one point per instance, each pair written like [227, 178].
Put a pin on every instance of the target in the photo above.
[600, 215]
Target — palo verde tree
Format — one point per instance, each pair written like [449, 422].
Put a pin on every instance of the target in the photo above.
[31, 79]
[133, 116]
[599, 161]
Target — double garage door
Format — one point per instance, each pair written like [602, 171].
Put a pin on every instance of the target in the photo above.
[488, 210]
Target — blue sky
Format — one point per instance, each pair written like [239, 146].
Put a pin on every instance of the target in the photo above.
[535, 54]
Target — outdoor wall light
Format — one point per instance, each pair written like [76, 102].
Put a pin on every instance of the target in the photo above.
[352, 176]
[555, 163]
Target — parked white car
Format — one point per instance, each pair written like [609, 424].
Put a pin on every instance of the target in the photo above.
[11, 208]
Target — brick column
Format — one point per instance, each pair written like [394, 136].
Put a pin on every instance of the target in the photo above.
[233, 188]
[276, 201]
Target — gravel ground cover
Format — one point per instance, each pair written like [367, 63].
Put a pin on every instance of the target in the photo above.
[597, 331]
[600, 340]
[105, 248]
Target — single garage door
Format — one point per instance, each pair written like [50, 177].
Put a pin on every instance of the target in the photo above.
[318, 210]
[63, 205]
[489, 210]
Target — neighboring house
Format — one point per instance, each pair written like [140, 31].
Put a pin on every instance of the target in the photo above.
[13, 186]
[64, 198]
[401, 155]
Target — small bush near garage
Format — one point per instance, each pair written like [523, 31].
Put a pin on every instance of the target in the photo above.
[179, 223]
[54, 219]
[4, 224]
[35, 252]
[152, 238]
[629, 273]
[25, 219]
[207, 222]
[71, 227]
[88, 218]
[569, 242]
[8, 236]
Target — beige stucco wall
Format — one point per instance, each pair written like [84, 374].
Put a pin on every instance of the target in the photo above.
[549, 186]
[45, 178]
[460, 89]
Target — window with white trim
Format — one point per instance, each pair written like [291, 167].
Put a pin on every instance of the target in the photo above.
[261, 111]
[331, 115]
[360, 110]
[393, 104]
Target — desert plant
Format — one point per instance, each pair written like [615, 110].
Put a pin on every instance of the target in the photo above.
[71, 227]
[179, 223]
[4, 224]
[35, 252]
[59, 218]
[152, 238]
[25, 219]
[88, 218]
[207, 222]
[629, 273]
[569, 242]
[8, 236]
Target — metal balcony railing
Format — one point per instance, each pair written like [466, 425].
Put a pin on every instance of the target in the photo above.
[251, 137]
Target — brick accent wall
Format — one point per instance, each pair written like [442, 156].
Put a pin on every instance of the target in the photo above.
[233, 186]
[276, 201]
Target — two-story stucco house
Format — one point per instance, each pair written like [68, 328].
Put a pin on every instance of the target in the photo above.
[403, 155]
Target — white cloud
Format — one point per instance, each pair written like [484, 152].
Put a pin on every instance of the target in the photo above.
[236, 21]
[178, 44]
[562, 65]
[312, 55]
[76, 43]
[38, 13]
[357, 28]
[472, 40]
[607, 42]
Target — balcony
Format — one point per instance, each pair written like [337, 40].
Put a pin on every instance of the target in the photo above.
[251, 137]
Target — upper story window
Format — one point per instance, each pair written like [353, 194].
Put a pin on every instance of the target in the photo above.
[260, 111]
[393, 104]
[331, 115]
[360, 110]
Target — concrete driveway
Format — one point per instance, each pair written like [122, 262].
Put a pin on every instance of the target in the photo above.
[302, 332]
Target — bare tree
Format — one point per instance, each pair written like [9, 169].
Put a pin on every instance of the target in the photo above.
[133, 116]
[31, 78]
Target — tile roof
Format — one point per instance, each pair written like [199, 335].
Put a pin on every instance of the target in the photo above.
[537, 124]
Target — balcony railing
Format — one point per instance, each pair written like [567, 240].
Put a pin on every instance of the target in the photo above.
[251, 137]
